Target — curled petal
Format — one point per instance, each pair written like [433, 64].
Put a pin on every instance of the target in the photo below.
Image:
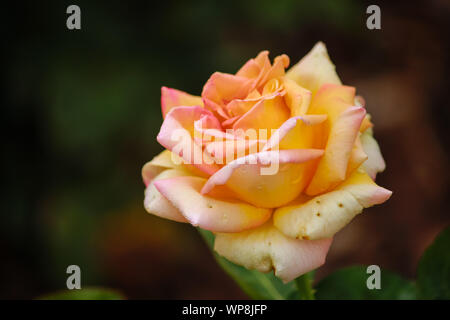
[291, 134]
[266, 248]
[322, 216]
[157, 204]
[225, 151]
[161, 162]
[217, 212]
[222, 87]
[171, 98]
[266, 115]
[314, 70]
[253, 67]
[366, 124]
[238, 107]
[208, 128]
[276, 71]
[267, 179]
[297, 98]
[177, 133]
[375, 162]
[333, 165]
[357, 156]
[228, 123]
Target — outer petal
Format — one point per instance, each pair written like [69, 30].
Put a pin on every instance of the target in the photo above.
[314, 70]
[267, 179]
[158, 164]
[171, 98]
[322, 216]
[357, 156]
[157, 204]
[366, 124]
[343, 131]
[375, 162]
[266, 248]
[218, 212]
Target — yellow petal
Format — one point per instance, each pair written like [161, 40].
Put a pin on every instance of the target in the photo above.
[322, 216]
[158, 164]
[265, 248]
[299, 133]
[314, 70]
[297, 98]
[267, 114]
[333, 165]
[339, 133]
[267, 179]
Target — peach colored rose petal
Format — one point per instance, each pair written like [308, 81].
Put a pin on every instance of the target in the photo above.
[217, 212]
[171, 98]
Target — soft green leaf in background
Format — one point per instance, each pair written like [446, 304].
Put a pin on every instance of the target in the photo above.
[350, 284]
[85, 294]
[433, 276]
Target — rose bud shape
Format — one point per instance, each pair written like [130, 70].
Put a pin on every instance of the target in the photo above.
[274, 163]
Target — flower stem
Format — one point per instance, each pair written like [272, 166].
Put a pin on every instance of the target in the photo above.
[304, 286]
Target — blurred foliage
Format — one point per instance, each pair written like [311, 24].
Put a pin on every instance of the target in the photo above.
[85, 294]
[434, 269]
[433, 279]
[350, 284]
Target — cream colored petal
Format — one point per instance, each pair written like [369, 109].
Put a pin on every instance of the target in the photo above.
[157, 165]
[157, 204]
[266, 248]
[314, 70]
[375, 162]
[322, 216]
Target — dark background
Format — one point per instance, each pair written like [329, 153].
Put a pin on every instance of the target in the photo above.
[81, 113]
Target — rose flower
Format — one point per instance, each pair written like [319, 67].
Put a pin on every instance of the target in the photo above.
[274, 163]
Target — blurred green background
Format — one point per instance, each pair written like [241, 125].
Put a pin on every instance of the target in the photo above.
[82, 112]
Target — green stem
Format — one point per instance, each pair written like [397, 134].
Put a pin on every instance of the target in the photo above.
[304, 286]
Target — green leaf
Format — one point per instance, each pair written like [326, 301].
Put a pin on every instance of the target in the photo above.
[433, 277]
[304, 286]
[84, 294]
[255, 284]
[351, 284]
